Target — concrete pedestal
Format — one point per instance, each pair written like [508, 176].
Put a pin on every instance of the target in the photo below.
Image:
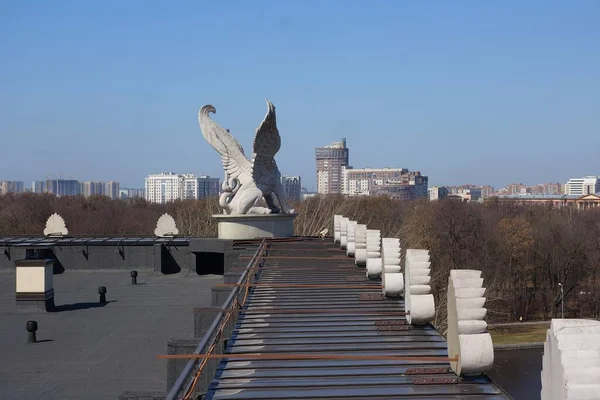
[241, 227]
[34, 291]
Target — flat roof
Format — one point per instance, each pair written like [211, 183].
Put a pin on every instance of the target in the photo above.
[43, 241]
[86, 351]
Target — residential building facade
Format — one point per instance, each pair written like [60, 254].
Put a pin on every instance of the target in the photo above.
[11, 187]
[128, 193]
[583, 202]
[361, 180]
[199, 187]
[63, 187]
[167, 187]
[112, 190]
[208, 187]
[38, 187]
[93, 188]
[391, 181]
[582, 186]
[292, 185]
[329, 162]
[437, 193]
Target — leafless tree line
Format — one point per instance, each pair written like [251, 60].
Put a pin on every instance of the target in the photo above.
[524, 252]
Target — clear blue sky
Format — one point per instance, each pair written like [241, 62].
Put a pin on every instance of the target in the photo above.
[484, 92]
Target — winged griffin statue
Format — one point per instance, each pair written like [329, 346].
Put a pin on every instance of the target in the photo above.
[248, 181]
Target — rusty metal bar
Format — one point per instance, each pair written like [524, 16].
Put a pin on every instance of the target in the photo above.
[258, 310]
[298, 258]
[303, 356]
[298, 286]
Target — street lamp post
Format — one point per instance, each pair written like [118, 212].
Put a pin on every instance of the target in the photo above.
[562, 301]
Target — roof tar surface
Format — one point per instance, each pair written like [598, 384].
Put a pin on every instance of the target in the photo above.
[340, 321]
[91, 352]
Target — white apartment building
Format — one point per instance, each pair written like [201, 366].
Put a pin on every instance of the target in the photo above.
[397, 182]
[167, 187]
[359, 181]
[437, 192]
[583, 186]
[163, 188]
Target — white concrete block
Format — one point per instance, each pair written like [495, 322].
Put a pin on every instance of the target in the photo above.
[467, 314]
[472, 327]
[465, 273]
[373, 268]
[420, 280]
[360, 257]
[470, 292]
[419, 289]
[336, 228]
[392, 269]
[476, 355]
[419, 272]
[470, 302]
[422, 309]
[394, 284]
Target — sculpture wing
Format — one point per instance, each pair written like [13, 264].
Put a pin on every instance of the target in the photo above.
[266, 144]
[232, 154]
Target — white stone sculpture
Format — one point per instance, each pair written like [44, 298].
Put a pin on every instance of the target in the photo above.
[55, 226]
[419, 303]
[392, 280]
[571, 360]
[165, 226]
[247, 182]
[467, 336]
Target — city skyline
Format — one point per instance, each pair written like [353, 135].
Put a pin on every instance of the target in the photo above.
[490, 93]
[313, 189]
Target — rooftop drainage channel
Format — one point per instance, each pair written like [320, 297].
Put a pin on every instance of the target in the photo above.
[342, 316]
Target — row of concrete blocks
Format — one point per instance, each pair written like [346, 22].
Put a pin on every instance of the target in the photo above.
[468, 339]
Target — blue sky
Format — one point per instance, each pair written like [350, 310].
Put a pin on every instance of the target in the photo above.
[465, 91]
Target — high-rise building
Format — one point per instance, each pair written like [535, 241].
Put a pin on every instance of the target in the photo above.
[582, 186]
[92, 188]
[199, 187]
[11, 187]
[38, 187]
[292, 185]
[330, 159]
[437, 192]
[166, 187]
[112, 190]
[63, 187]
[127, 193]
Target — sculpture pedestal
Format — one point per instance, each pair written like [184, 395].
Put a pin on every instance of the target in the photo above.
[252, 226]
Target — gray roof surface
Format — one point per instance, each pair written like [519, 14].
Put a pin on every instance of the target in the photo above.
[91, 352]
[351, 320]
[42, 241]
